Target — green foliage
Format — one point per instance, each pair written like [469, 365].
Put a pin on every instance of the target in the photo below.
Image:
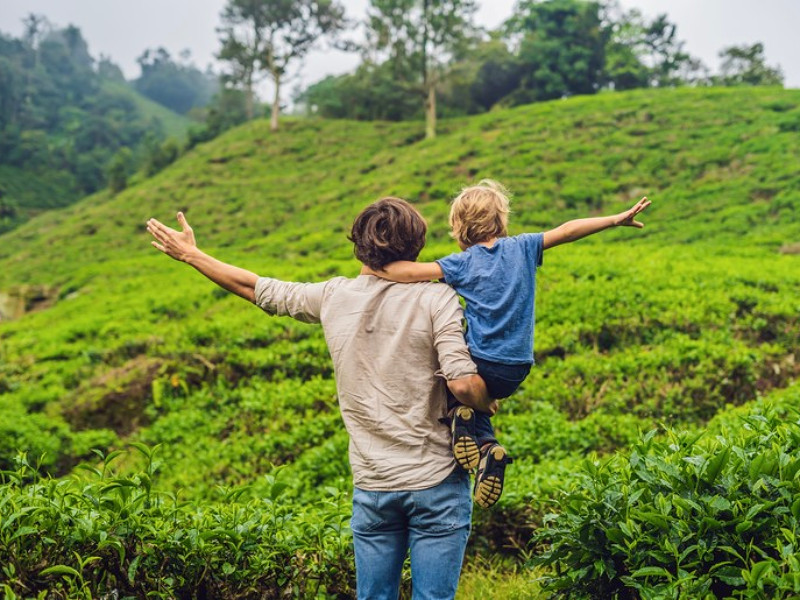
[178, 87]
[373, 92]
[62, 121]
[418, 36]
[746, 65]
[227, 109]
[562, 51]
[160, 155]
[118, 170]
[263, 36]
[684, 516]
[108, 533]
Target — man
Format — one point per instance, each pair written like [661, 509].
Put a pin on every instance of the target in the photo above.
[396, 349]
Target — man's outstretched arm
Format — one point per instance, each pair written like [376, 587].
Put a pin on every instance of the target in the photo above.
[580, 228]
[181, 246]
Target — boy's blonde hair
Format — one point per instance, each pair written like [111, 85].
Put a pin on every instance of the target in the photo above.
[480, 213]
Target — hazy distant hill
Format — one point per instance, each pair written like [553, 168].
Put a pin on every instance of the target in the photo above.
[34, 191]
[63, 116]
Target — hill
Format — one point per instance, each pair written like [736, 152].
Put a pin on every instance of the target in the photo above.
[35, 190]
[168, 123]
[63, 116]
[116, 344]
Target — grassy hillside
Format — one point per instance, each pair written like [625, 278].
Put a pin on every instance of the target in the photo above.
[635, 329]
[32, 188]
[171, 123]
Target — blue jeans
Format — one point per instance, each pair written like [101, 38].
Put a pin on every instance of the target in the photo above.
[433, 523]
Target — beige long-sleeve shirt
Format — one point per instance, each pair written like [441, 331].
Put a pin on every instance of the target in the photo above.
[394, 346]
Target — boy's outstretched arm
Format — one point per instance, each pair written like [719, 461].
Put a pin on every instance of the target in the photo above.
[181, 246]
[405, 271]
[580, 228]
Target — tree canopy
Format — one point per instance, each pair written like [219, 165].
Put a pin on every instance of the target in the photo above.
[63, 115]
[547, 49]
[263, 37]
[178, 86]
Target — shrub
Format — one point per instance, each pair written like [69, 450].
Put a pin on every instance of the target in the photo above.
[684, 516]
[117, 536]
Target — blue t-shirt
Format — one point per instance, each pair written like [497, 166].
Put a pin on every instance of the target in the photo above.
[499, 285]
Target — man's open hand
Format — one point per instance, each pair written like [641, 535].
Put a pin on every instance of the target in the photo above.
[177, 244]
[628, 218]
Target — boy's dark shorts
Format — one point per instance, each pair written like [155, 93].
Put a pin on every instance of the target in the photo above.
[501, 380]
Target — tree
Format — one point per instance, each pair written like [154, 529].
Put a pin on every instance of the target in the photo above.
[645, 53]
[498, 75]
[562, 51]
[109, 70]
[118, 170]
[179, 87]
[624, 68]
[227, 109]
[746, 65]
[371, 92]
[660, 39]
[36, 27]
[419, 37]
[267, 35]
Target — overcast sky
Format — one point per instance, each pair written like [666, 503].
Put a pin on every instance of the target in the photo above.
[124, 29]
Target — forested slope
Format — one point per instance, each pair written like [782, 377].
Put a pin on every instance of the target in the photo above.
[63, 116]
[635, 329]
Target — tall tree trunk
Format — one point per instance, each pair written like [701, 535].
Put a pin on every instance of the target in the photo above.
[428, 85]
[430, 111]
[276, 103]
[248, 97]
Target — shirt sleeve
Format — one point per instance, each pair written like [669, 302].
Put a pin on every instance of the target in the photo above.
[454, 268]
[448, 337]
[534, 246]
[301, 301]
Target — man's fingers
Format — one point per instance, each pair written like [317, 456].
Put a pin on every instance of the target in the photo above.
[159, 226]
[157, 233]
[159, 247]
[183, 222]
[164, 239]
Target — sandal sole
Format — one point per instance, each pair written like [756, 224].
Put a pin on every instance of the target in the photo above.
[489, 483]
[465, 446]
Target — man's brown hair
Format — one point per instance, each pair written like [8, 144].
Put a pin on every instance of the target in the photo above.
[388, 230]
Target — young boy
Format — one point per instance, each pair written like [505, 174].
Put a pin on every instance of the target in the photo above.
[496, 275]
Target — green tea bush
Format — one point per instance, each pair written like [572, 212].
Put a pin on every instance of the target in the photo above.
[118, 536]
[684, 516]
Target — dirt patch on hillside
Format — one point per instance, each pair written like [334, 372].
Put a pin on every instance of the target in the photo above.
[24, 299]
[116, 399]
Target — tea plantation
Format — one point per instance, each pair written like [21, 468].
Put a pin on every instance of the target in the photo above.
[160, 438]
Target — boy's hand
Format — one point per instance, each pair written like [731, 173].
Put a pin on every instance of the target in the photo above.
[365, 270]
[627, 218]
[176, 244]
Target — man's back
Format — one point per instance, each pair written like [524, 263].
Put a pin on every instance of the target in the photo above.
[388, 342]
[393, 346]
